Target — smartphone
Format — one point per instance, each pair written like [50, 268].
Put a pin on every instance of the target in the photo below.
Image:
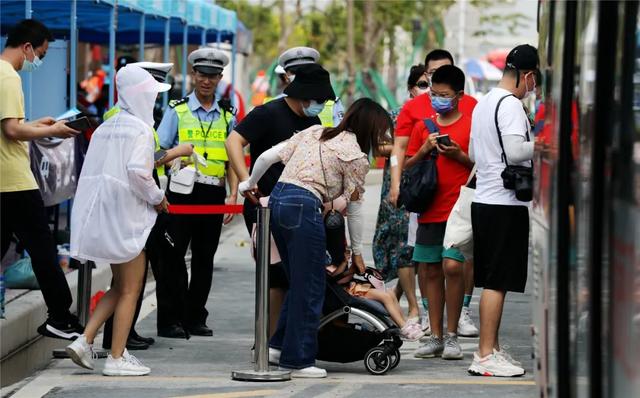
[80, 124]
[159, 155]
[444, 140]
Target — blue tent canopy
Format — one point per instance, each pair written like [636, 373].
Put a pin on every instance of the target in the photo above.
[93, 18]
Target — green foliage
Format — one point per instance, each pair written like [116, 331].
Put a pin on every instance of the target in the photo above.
[324, 26]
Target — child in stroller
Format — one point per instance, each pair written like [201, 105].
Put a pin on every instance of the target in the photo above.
[361, 281]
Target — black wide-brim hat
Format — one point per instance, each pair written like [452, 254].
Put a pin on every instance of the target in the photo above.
[312, 82]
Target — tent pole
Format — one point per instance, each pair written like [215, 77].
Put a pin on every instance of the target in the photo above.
[184, 59]
[112, 56]
[28, 13]
[218, 39]
[73, 62]
[203, 38]
[143, 19]
[167, 25]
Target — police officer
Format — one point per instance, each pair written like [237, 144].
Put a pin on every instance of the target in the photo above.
[197, 119]
[159, 71]
[290, 61]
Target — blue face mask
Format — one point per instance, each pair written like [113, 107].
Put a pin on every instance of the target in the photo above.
[313, 109]
[30, 66]
[441, 105]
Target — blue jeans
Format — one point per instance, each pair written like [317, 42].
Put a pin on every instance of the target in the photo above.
[298, 230]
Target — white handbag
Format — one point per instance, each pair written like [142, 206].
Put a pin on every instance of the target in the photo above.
[182, 182]
[459, 233]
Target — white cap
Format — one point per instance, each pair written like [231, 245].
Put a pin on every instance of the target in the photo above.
[132, 77]
[137, 91]
[208, 60]
[298, 56]
[158, 70]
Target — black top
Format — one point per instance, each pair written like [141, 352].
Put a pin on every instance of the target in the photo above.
[268, 125]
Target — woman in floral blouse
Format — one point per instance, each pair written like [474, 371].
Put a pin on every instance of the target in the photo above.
[321, 164]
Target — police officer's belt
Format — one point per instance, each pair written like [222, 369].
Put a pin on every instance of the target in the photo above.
[209, 180]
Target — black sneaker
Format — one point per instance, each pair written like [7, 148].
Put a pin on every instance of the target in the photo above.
[69, 329]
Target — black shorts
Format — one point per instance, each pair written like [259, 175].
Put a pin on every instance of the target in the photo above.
[500, 246]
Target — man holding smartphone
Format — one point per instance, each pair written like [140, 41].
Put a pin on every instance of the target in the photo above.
[435, 263]
[22, 209]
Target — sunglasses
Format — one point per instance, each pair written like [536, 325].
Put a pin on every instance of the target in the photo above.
[422, 84]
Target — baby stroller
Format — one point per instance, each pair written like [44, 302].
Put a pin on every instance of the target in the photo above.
[341, 341]
[376, 339]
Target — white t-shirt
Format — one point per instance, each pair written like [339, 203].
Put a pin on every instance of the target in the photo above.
[487, 153]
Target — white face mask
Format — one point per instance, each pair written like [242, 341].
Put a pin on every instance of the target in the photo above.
[30, 66]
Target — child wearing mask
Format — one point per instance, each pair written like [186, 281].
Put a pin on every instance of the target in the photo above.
[453, 165]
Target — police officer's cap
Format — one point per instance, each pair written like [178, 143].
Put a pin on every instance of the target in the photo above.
[158, 70]
[298, 56]
[208, 61]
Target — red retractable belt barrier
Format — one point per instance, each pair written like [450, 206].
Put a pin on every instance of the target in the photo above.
[205, 209]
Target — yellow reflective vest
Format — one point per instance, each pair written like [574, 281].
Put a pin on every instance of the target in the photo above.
[209, 145]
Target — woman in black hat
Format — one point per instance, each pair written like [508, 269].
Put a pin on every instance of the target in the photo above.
[321, 164]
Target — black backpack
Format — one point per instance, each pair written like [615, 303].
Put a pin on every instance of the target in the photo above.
[419, 183]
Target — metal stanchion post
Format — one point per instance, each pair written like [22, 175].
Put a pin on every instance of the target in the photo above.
[261, 371]
[83, 305]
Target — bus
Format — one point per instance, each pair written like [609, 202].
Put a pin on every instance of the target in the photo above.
[585, 216]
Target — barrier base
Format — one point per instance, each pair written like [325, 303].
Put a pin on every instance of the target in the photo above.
[60, 353]
[254, 375]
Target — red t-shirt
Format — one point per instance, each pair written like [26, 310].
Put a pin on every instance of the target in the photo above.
[419, 108]
[451, 173]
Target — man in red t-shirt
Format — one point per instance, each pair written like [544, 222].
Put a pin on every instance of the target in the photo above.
[435, 263]
[415, 110]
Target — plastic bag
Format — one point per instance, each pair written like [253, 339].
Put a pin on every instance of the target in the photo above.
[20, 275]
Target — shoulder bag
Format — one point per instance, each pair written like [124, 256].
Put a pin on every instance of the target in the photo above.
[516, 178]
[459, 233]
[420, 182]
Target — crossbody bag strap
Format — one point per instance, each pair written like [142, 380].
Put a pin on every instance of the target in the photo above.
[324, 174]
[432, 128]
[504, 155]
[471, 175]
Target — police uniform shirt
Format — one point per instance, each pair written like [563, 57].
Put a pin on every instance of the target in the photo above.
[168, 128]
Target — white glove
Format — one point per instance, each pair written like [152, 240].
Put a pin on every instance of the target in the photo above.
[245, 186]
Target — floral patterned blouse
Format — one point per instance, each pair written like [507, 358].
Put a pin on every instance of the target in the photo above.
[345, 165]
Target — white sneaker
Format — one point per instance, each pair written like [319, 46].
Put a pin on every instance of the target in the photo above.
[493, 365]
[274, 356]
[426, 326]
[432, 348]
[505, 355]
[81, 352]
[310, 372]
[466, 327]
[126, 365]
[452, 349]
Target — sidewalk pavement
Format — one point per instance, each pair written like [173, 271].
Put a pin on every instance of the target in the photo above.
[201, 366]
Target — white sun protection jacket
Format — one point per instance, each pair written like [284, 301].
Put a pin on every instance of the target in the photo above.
[113, 210]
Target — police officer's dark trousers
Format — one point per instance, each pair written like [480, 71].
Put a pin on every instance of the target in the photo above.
[189, 298]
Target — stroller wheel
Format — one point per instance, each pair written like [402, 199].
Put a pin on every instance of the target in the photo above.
[395, 359]
[377, 362]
